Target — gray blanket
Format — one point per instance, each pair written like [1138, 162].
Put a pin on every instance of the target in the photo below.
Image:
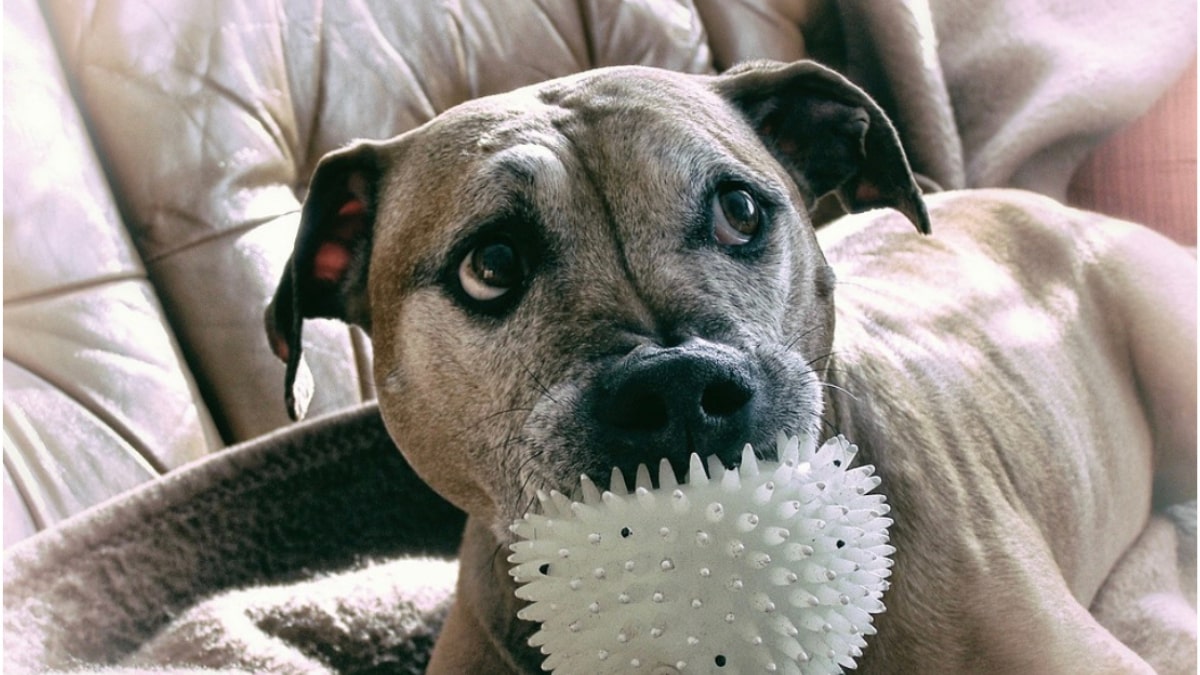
[312, 549]
[317, 548]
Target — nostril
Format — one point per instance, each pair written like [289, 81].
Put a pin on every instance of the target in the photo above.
[724, 398]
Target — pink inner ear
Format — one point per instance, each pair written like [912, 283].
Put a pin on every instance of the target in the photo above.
[867, 193]
[280, 347]
[352, 207]
[331, 261]
[333, 255]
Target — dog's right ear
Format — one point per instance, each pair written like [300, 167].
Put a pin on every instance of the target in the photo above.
[326, 275]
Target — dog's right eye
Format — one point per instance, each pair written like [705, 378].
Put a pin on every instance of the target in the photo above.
[490, 270]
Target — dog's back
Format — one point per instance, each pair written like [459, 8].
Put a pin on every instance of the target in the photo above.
[1025, 382]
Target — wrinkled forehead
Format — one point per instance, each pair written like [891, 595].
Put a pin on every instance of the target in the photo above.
[504, 159]
[604, 128]
[620, 116]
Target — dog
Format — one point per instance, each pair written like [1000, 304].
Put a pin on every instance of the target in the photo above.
[620, 266]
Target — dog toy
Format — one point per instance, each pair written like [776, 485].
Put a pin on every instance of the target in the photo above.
[767, 567]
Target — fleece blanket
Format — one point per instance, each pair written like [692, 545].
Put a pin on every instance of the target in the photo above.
[318, 549]
[313, 549]
[991, 93]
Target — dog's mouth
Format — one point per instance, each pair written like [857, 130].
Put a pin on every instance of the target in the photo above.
[635, 415]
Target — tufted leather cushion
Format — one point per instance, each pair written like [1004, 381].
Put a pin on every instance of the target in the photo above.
[84, 334]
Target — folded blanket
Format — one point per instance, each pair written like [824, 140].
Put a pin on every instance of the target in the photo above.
[1036, 84]
[297, 519]
[382, 617]
[316, 549]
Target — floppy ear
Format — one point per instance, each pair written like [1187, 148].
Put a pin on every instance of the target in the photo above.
[829, 134]
[326, 276]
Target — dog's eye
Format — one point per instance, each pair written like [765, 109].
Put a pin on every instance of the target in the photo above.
[490, 270]
[736, 217]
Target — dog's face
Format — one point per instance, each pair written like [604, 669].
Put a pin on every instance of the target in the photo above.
[597, 272]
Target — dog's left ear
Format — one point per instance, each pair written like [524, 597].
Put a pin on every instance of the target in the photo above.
[829, 134]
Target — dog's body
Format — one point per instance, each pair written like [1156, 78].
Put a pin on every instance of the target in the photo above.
[1015, 356]
[617, 267]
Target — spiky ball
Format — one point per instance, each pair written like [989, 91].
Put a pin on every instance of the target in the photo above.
[769, 567]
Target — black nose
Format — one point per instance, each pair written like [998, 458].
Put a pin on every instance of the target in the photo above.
[670, 402]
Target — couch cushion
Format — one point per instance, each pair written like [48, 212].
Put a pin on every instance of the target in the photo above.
[96, 395]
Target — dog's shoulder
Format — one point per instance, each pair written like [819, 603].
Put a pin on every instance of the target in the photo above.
[986, 240]
[1022, 229]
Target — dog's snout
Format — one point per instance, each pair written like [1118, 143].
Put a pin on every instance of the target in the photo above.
[651, 396]
[672, 402]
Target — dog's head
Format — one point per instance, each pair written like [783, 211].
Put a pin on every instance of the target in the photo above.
[598, 271]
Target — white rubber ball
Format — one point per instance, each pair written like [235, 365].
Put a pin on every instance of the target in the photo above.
[768, 567]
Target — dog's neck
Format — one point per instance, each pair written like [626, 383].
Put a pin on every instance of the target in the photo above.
[488, 593]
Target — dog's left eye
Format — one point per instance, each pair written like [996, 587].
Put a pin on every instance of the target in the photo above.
[490, 270]
[737, 217]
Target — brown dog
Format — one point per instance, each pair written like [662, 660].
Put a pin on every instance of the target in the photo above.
[619, 266]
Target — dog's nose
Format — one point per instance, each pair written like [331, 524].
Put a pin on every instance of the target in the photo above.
[670, 402]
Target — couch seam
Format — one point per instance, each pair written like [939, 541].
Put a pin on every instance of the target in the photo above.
[63, 290]
[122, 430]
[19, 484]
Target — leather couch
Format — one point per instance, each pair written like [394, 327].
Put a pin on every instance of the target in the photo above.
[156, 152]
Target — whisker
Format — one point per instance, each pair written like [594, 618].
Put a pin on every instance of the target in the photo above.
[541, 387]
[830, 425]
[493, 415]
[799, 336]
[525, 462]
[823, 357]
[509, 439]
[835, 387]
[773, 370]
[491, 564]
[529, 504]
[526, 479]
[851, 281]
